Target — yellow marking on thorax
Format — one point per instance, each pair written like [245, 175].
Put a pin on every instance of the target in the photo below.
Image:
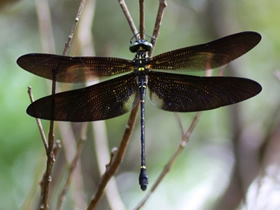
[141, 69]
[144, 86]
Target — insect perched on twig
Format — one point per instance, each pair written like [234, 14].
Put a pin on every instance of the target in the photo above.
[167, 90]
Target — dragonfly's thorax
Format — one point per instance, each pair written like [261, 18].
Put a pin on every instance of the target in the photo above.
[140, 62]
[141, 47]
[141, 70]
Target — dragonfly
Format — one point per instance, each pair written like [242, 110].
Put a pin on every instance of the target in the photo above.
[162, 75]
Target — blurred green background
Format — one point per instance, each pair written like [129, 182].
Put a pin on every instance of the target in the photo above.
[240, 142]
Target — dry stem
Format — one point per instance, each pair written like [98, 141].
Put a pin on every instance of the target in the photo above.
[70, 37]
[44, 138]
[161, 7]
[142, 19]
[128, 17]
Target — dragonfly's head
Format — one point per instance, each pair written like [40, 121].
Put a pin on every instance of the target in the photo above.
[141, 44]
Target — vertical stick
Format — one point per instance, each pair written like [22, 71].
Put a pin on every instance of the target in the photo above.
[142, 19]
[129, 18]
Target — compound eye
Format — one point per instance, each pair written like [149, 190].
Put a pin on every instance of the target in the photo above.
[134, 47]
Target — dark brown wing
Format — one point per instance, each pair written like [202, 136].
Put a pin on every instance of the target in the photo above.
[183, 93]
[73, 69]
[207, 56]
[98, 102]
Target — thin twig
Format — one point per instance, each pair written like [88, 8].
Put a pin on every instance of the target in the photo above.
[128, 17]
[70, 37]
[47, 175]
[142, 19]
[50, 158]
[44, 138]
[162, 6]
[179, 121]
[83, 137]
[185, 140]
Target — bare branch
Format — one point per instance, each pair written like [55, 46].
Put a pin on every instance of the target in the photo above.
[70, 37]
[128, 17]
[142, 19]
[162, 6]
[44, 138]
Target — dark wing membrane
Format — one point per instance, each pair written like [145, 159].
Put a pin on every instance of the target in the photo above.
[73, 69]
[207, 56]
[98, 102]
[183, 93]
